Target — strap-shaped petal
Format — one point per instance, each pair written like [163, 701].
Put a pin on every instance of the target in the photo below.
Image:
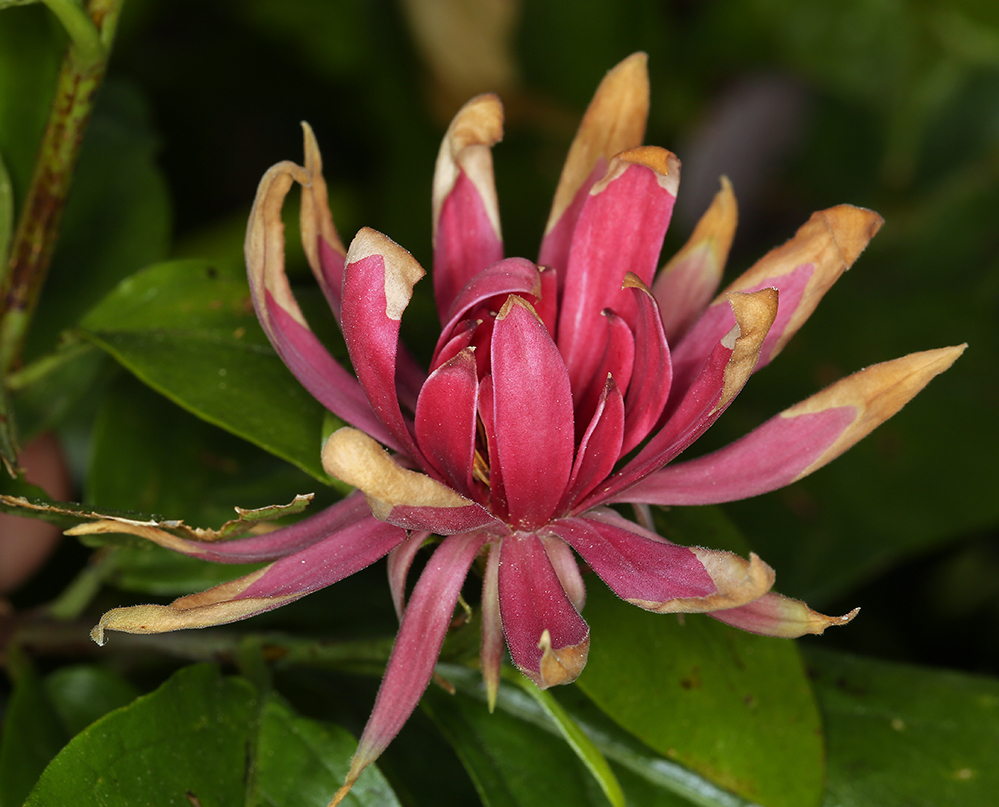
[466, 225]
[532, 411]
[398, 496]
[659, 576]
[416, 648]
[653, 372]
[491, 651]
[599, 448]
[799, 440]
[684, 286]
[338, 556]
[547, 637]
[282, 319]
[377, 286]
[776, 615]
[320, 240]
[398, 562]
[802, 270]
[255, 548]
[614, 122]
[620, 229]
[446, 419]
[618, 362]
[721, 378]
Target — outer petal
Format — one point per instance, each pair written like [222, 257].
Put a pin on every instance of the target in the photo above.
[620, 230]
[686, 284]
[721, 378]
[548, 639]
[282, 319]
[533, 415]
[493, 645]
[405, 498]
[377, 286]
[286, 580]
[802, 270]
[265, 547]
[398, 562]
[614, 122]
[656, 575]
[466, 222]
[416, 648]
[776, 615]
[799, 440]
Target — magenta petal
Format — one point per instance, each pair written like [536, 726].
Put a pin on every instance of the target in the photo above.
[340, 555]
[377, 286]
[533, 414]
[653, 372]
[618, 362]
[446, 420]
[776, 615]
[399, 560]
[548, 639]
[636, 564]
[769, 457]
[600, 447]
[620, 230]
[417, 645]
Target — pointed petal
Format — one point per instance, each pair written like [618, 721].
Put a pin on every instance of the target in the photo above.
[618, 362]
[802, 271]
[799, 440]
[614, 122]
[510, 276]
[466, 224]
[721, 378]
[653, 373]
[320, 240]
[322, 564]
[416, 648]
[599, 449]
[548, 639]
[685, 285]
[398, 563]
[567, 569]
[776, 615]
[446, 420]
[255, 548]
[280, 315]
[493, 644]
[405, 498]
[533, 414]
[377, 287]
[620, 229]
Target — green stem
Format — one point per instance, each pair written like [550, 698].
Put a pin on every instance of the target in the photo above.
[34, 240]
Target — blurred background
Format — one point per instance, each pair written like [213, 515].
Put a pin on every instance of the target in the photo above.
[885, 104]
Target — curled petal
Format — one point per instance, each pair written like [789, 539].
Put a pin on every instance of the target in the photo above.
[466, 226]
[599, 448]
[416, 648]
[398, 562]
[776, 615]
[405, 498]
[548, 639]
[614, 122]
[799, 440]
[685, 285]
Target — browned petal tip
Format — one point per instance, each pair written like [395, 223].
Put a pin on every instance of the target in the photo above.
[817, 623]
[851, 228]
[560, 665]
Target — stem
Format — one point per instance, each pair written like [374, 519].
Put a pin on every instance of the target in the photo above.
[34, 240]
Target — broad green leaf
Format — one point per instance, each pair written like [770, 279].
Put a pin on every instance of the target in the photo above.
[733, 707]
[899, 734]
[84, 693]
[301, 761]
[188, 738]
[186, 328]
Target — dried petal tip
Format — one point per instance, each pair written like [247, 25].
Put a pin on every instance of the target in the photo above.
[560, 665]
[777, 615]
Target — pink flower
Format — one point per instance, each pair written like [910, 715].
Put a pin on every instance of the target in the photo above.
[556, 388]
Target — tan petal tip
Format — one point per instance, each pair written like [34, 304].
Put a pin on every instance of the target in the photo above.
[852, 228]
[560, 665]
[817, 623]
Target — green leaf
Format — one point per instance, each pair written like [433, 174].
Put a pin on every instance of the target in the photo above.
[302, 761]
[84, 693]
[733, 707]
[899, 734]
[187, 737]
[186, 328]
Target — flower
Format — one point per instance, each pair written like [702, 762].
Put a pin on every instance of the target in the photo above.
[556, 389]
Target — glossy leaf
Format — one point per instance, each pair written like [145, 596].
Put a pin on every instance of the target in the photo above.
[186, 329]
[899, 734]
[733, 707]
